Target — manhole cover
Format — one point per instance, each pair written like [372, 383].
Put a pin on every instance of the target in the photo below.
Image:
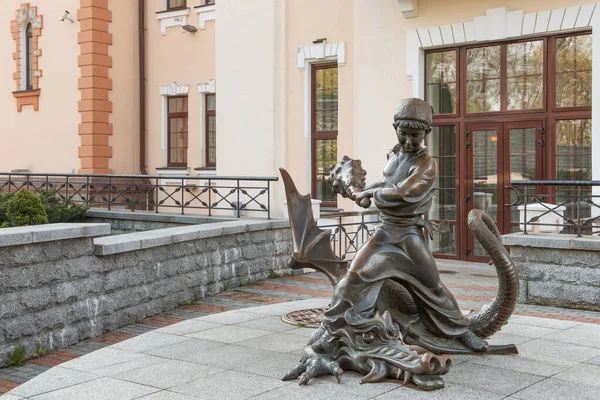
[310, 318]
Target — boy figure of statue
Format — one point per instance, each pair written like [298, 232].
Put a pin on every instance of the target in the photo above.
[390, 315]
[398, 250]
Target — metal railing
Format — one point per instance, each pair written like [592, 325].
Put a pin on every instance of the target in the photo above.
[150, 192]
[569, 207]
[350, 231]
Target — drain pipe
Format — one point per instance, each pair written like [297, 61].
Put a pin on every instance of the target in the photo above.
[142, 61]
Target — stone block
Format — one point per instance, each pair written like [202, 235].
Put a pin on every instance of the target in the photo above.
[52, 318]
[76, 248]
[19, 327]
[10, 306]
[87, 309]
[79, 289]
[36, 299]
[250, 252]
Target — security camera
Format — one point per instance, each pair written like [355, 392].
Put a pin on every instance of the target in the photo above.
[66, 15]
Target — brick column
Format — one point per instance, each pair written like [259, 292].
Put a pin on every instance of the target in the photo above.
[95, 86]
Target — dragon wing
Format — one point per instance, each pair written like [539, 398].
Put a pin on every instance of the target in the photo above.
[312, 246]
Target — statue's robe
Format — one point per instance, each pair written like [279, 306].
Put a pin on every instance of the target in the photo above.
[398, 251]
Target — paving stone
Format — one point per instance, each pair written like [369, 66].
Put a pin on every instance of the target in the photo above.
[527, 330]
[542, 322]
[10, 396]
[230, 385]
[585, 374]
[148, 341]
[271, 323]
[190, 326]
[101, 358]
[53, 379]
[584, 335]
[451, 391]
[166, 395]
[276, 365]
[280, 342]
[231, 317]
[554, 389]
[542, 349]
[169, 373]
[115, 370]
[86, 347]
[99, 389]
[594, 361]
[185, 347]
[295, 392]
[283, 308]
[521, 363]
[228, 357]
[502, 338]
[495, 380]
[229, 334]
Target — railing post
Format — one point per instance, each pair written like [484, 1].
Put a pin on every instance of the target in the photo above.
[182, 195]
[525, 211]
[578, 208]
[87, 191]
[109, 192]
[268, 199]
[156, 190]
[237, 204]
[209, 197]
[67, 188]
[132, 193]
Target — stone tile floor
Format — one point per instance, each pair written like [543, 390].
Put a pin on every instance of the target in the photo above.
[252, 345]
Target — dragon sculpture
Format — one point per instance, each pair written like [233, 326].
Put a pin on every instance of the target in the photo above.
[391, 342]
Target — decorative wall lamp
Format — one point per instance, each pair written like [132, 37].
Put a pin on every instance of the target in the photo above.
[189, 28]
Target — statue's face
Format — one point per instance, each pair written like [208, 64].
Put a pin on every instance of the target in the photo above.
[410, 139]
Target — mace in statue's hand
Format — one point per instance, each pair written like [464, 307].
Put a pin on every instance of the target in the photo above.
[348, 179]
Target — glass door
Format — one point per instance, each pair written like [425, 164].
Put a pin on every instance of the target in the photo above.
[498, 153]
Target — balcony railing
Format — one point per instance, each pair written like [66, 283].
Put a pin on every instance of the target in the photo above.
[184, 194]
[569, 207]
[350, 231]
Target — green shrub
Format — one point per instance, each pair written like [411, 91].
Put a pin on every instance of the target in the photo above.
[61, 210]
[25, 208]
[4, 198]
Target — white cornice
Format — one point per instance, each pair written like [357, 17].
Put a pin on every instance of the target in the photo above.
[174, 89]
[322, 51]
[172, 18]
[205, 13]
[209, 87]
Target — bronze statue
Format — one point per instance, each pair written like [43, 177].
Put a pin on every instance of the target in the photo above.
[390, 315]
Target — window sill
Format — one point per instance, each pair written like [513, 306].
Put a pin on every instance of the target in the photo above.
[172, 171]
[205, 13]
[206, 171]
[174, 10]
[27, 98]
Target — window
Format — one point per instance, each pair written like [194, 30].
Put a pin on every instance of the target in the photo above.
[176, 4]
[29, 59]
[177, 131]
[324, 130]
[483, 79]
[441, 86]
[211, 130]
[574, 71]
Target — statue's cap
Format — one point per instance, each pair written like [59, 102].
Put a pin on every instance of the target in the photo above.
[415, 110]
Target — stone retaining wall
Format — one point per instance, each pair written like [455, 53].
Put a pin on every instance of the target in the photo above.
[557, 270]
[63, 283]
[140, 221]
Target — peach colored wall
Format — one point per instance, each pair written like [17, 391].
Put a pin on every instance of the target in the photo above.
[125, 91]
[306, 21]
[380, 69]
[179, 57]
[46, 140]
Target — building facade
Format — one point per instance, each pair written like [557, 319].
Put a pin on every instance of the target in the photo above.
[134, 86]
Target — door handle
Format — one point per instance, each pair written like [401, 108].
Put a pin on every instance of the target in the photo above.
[467, 198]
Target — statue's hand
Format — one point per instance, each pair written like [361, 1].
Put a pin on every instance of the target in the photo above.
[363, 199]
